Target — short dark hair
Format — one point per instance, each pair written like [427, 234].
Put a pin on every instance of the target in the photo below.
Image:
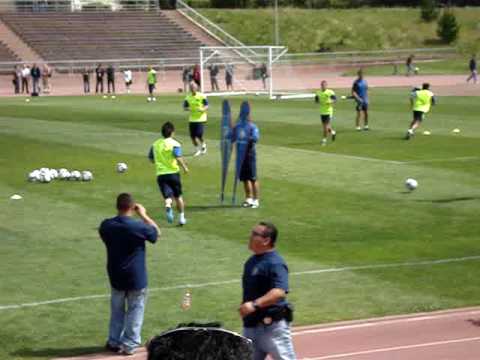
[167, 129]
[270, 231]
[125, 202]
[425, 86]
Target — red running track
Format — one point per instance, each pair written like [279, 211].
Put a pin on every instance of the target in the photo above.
[441, 335]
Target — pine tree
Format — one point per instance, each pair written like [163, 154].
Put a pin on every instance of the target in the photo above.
[448, 27]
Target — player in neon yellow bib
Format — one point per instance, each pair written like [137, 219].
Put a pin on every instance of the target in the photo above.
[421, 100]
[166, 154]
[326, 98]
[197, 104]
[152, 82]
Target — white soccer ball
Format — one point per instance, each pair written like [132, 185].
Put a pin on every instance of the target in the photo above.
[64, 174]
[75, 175]
[149, 99]
[87, 175]
[45, 177]
[53, 173]
[34, 176]
[113, 97]
[411, 184]
[122, 167]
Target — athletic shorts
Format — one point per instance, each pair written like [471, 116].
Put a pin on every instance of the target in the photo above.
[418, 115]
[151, 87]
[228, 79]
[361, 106]
[249, 170]
[326, 118]
[128, 82]
[170, 185]
[196, 129]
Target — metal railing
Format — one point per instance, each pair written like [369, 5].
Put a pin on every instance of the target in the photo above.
[344, 58]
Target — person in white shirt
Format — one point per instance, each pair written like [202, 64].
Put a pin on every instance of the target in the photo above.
[25, 76]
[127, 75]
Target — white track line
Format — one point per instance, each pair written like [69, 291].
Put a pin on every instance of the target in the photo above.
[395, 348]
[234, 281]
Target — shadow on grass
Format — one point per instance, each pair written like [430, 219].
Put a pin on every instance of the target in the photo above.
[195, 208]
[61, 352]
[450, 200]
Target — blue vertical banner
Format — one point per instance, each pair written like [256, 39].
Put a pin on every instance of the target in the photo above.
[241, 135]
[225, 145]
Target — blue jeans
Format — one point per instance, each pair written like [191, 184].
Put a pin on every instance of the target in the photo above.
[126, 317]
[274, 339]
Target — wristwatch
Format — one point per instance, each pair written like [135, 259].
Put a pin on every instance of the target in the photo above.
[255, 305]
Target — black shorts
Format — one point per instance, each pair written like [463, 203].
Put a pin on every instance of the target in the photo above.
[170, 185]
[196, 129]
[361, 106]
[151, 87]
[128, 82]
[228, 79]
[325, 118]
[418, 115]
[248, 170]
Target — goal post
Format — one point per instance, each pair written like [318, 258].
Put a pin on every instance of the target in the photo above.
[239, 70]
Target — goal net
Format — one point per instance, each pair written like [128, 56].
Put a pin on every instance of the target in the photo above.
[228, 70]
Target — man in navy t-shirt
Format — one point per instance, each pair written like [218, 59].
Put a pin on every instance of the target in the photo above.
[360, 94]
[265, 311]
[124, 238]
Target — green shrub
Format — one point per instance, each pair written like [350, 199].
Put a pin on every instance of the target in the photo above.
[448, 27]
[429, 10]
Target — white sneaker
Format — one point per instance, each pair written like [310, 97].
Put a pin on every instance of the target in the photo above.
[182, 221]
[255, 204]
[197, 153]
[358, 128]
[247, 203]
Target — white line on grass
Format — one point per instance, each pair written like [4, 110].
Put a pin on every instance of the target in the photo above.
[228, 282]
[464, 158]
[394, 348]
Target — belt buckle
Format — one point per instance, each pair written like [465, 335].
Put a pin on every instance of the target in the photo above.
[267, 320]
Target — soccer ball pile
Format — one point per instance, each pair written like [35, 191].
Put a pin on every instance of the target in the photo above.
[122, 167]
[46, 175]
[411, 184]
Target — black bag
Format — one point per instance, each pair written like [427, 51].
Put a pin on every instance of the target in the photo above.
[199, 343]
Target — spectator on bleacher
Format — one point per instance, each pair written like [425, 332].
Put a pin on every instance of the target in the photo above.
[46, 75]
[86, 81]
[111, 78]
[196, 75]
[187, 77]
[25, 76]
[17, 75]
[99, 72]
[128, 77]
[36, 75]
[213, 69]
[229, 76]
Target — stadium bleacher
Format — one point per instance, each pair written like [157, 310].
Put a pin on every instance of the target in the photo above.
[6, 55]
[58, 36]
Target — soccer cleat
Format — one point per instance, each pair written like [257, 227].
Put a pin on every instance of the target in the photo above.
[248, 202]
[366, 128]
[204, 149]
[334, 135]
[255, 204]
[407, 135]
[197, 153]
[169, 212]
[358, 128]
[182, 221]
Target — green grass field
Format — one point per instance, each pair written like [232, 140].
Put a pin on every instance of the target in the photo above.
[342, 206]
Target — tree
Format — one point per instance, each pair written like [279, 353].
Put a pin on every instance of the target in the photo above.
[429, 10]
[448, 27]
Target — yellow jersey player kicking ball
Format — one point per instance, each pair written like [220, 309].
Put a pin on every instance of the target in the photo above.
[326, 98]
[421, 102]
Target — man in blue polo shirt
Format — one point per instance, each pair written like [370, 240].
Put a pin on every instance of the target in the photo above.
[360, 94]
[124, 238]
[265, 311]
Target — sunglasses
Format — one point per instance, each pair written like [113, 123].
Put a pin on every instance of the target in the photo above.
[256, 233]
